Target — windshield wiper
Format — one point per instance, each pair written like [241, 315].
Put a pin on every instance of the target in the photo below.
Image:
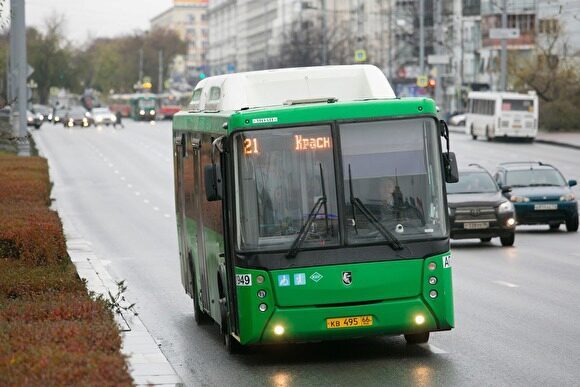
[543, 185]
[304, 230]
[356, 202]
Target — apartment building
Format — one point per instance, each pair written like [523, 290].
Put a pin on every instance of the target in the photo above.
[189, 19]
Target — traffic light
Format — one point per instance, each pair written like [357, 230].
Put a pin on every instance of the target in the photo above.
[201, 76]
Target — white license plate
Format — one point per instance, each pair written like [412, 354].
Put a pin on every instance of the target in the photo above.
[475, 225]
[545, 207]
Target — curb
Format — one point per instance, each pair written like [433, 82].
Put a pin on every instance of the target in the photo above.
[148, 366]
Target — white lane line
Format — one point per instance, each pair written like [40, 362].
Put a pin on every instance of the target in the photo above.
[166, 215]
[122, 178]
[137, 193]
[432, 348]
[110, 165]
[145, 201]
[508, 284]
[155, 208]
[129, 185]
[116, 171]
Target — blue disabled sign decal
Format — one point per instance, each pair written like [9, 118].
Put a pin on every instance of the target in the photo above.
[299, 279]
[284, 280]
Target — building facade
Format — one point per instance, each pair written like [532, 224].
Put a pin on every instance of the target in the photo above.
[189, 19]
[250, 35]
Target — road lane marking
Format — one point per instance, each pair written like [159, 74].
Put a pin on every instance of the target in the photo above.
[122, 178]
[432, 348]
[508, 284]
[116, 171]
[145, 201]
[130, 185]
[137, 193]
[166, 215]
[155, 208]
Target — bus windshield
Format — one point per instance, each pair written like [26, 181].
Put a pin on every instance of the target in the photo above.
[392, 185]
[146, 103]
[393, 169]
[279, 181]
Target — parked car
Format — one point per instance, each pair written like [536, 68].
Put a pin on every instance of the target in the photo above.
[457, 119]
[44, 111]
[103, 116]
[477, 208]
[34, 119]
[78, 115]
[539, 193]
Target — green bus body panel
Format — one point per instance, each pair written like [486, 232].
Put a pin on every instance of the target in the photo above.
[370, 282]
[307, 113]
[305, 321]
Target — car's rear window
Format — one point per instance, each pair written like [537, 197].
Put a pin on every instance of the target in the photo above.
[534, 178]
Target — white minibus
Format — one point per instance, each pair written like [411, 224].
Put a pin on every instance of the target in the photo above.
[502, 114]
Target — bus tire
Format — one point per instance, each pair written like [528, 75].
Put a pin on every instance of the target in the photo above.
[473, 135]
[508, 240]
[572, 224]
[200, 317]
[417, 338]
[488, 134]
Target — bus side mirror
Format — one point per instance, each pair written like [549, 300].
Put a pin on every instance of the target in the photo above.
[213, 182]
[450, 165]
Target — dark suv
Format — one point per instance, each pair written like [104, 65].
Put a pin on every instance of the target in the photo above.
[477, 208]
[540, 194]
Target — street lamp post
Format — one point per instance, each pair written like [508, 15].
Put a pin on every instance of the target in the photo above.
[18, 71]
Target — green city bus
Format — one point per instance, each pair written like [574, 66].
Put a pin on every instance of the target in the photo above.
[143, 106]
[311, 206]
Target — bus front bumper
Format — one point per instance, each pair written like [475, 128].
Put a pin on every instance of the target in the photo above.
[393, 317]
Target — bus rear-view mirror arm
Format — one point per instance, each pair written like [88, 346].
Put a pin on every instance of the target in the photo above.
[212, 173]
[449, 159]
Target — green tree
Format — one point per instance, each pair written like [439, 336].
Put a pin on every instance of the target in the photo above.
[51, 57]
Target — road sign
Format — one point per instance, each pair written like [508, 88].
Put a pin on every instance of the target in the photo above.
[504, 33]
[360, 55]
[438, 59]
[422, 81]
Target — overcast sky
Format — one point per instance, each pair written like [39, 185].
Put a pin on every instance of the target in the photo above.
[96, 18]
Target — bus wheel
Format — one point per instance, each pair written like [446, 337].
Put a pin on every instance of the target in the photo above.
[417, 338]
[488, 134]
[201, 318]
[508, 240]
[473, 135]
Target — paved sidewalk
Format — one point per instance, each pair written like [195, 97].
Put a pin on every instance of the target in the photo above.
[565, 139]
[147, 364]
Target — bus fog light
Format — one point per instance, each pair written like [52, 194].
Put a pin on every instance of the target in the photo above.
[433, 294]
[432, 266]
[279, 330]
[263, 307]
[432, 280]
[260, 279]
[419, 319]
[261, 293]
[510, 222]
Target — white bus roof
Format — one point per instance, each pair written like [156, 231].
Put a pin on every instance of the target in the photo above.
[231, 92]
[500, 94]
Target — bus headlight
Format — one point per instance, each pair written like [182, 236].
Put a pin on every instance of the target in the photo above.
[519, 199]
[506, 206]
[279, 330]
[568, 197]
[141, 112]
[152, 112]
[419, 319]
[432, 280]
[433, 294]
[263, 307]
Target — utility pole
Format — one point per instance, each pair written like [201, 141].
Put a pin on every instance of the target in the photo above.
[503, 75]
[141, 66]
[19, 69]
[422, 37]
[438, 29]
[160, 79]
[390, 60]
[324, 43]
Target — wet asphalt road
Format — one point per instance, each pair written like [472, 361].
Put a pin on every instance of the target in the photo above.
[516, 309]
